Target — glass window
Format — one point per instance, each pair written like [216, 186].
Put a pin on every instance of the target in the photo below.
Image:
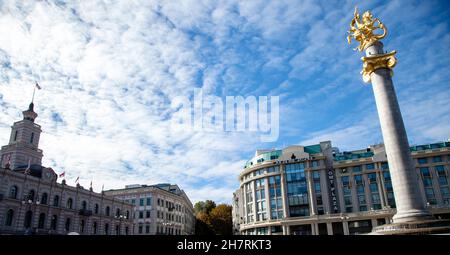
[349, 209]
[362, 199]
[443, 180]
[437, 159]
[13, 192]
[141, 214]
[149, 200]
[384, 166]
[372, 177]
[141, 202]
[360, 189]
[373, 187]
[363, 208]
[348, 200]
[386, 176]
[359, 179]
[445, 191]
[356, 169]
[56, 201]
[316, 175]
[133, 201]
[425, 172]
[9, 217]
[44, 199]
[422, 160]
[370, 166]
[345, 180]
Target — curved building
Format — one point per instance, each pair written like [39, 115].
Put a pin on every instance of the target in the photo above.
[317, 190]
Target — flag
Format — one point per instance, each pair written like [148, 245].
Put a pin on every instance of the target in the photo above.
[91, 183]
[28, 170]
[63, 174]
[103, 187]
[37, 86]
[76, 181]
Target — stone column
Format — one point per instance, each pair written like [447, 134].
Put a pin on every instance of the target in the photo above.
[410, 206]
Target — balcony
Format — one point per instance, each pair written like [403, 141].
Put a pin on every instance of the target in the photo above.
[85, 212]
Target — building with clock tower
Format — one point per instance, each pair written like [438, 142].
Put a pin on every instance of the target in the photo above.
[32, 201]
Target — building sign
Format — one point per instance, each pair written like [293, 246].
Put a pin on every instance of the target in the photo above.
[334, 202]
[292, 160]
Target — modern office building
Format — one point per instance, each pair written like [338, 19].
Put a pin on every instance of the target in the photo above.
[318, 190]
[161, 209]
[32, 201]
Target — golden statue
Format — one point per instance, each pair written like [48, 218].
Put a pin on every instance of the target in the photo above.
[363, 31]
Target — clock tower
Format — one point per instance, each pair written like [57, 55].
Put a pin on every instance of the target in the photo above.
[23, 142]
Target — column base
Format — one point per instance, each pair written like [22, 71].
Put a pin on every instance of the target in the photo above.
[412, 216]
[425, 227]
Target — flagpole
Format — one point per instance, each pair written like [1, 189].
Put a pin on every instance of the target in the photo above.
[34, 90]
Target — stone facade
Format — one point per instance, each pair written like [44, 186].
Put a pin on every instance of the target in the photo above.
[161, 209]
[318, 190]
[37, 203]
[32, 201]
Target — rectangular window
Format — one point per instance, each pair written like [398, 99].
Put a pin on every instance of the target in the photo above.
[32, 138]
[372, 177]
[147, 214]
[147, 229]
[348, 200]
[316, 175]
[349, 209]
[15, 135]
[140, 229]
[437, 159]
[373, 187]
[384, 166]
[356, 169]
[422, 160]
[133, 201]
[370, 166]
[425, 172]
[363, 208]
[141, 202]
[445, 191]
[345, 181]
[149, 201]
[362, 199]
[314, 163]
[358, 179]
[386, 176]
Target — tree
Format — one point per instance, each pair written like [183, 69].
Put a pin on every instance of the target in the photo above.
[204, 206]
[220, 220]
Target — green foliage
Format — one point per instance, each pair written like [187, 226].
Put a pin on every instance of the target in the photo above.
[212, 219]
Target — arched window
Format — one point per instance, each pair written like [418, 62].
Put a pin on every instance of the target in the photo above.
[84, 205]
[82, 226]
[95, 227]
[128, 214]
[56, 201]
[67, 224]
[44, 198]
[69, 203]
[41, 222]
[117, 212]
[31, 195]
[54, 222]
[9, 217]
[13, 192]
[28, 219]
[96, 209]
[107, 211]
[106, 228]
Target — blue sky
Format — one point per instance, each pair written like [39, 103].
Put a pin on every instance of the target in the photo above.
[109, 70]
